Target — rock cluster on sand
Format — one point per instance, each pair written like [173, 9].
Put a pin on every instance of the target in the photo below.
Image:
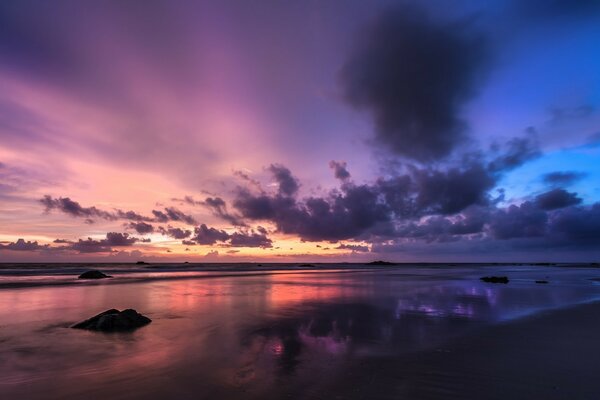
[114, 321]
[94, 274]
[495, 279]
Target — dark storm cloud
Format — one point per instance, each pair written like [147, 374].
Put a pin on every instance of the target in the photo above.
[339, 170]
[175, 233]
[414, 75]
[517, 151]
[288, 185]
[444, 229]
[339, 216]
[141, 227]
[451, 191]
[355, 211]
[557, 198]
[563, 178]
[22, 245]
[577, 226]
[522, 221]
[388, 207]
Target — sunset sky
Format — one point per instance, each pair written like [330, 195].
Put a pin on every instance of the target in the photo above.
[299, 131]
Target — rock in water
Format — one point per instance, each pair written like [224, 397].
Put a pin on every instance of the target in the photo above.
[94, 274]
[495, 279]
[114, 321]
[541, 281]
[379, 262]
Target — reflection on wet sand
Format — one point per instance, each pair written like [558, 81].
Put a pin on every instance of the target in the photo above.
[267, 336]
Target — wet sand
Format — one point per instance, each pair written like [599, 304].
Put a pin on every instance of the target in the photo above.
[554, 355]
[393, 333]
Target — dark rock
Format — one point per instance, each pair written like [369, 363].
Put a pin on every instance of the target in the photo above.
[379, 262]
[306, 265]
[541, 281]
[495, 279]
[94, 274]
[141, 263]
[114, 321]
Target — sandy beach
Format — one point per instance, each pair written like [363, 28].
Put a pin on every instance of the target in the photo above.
[553, 355]
[353, 332]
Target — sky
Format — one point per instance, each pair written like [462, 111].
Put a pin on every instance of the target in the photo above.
[306, 131]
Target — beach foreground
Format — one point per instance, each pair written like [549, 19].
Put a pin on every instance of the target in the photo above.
[347, 332]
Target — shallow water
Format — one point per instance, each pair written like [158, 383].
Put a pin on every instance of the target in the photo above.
[256, 334]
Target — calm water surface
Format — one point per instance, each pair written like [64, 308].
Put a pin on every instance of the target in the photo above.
[258, 334]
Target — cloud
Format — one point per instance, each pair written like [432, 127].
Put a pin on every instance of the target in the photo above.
[132, 216]
[218, 206]
[73, 208]
[358, 211]
[141, 227]
[414, 75]
[438, 228]
[339, 170]
[89, 245]
[557, 198]
[339, 216]
[353, 247]
[22, 245]
[577, 226]
[173, 214]
[119, 239]
[453, 190]
[247, 238]
[517, 151]
[205, 235]
[175, 233]
[250, 239]
[525, 220]
[288, 185]
[563, 178]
